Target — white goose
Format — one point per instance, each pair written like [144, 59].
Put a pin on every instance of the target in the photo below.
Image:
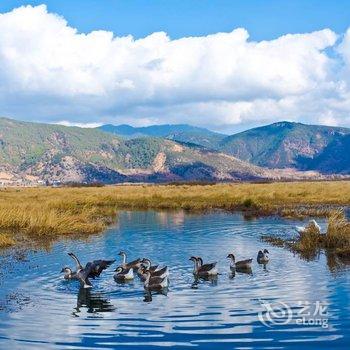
[312, 224]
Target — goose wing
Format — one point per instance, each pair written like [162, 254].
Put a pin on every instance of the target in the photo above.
[156, 280]
[244, 262]
[207, 267]
[160, 272]
[98, 266]
[153, 268]
[77, 262]
[133, 264]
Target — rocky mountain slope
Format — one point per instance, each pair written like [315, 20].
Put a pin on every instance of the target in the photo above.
[292, 145]
[37, 152]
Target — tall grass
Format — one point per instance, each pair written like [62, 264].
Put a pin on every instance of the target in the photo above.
[6, 240]
[337, 236]
[336, 241]
[53, 212]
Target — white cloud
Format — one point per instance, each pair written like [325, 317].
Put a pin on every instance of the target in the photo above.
[50, 72]
[81, 125]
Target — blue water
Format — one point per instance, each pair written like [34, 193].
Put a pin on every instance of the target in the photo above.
[39, 310]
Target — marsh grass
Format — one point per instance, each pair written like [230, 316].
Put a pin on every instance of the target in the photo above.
[336, 241]
[6, 240]
[47, 213]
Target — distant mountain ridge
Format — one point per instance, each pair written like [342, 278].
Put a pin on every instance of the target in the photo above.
[288, 145]
[177, 132]
[277, 146]
[35, 152]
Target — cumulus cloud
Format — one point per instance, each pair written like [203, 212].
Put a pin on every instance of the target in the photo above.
[51, 72]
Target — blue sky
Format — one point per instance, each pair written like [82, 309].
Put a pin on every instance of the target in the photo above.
[264, 19]
[224, 65]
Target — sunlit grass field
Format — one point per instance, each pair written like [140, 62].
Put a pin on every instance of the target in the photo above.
[52, 212]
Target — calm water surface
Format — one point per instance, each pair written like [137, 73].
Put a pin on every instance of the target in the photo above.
[39, 310]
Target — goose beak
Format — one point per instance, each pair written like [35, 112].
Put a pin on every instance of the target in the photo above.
[62, 270]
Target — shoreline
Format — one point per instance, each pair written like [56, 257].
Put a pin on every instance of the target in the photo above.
[35, 214]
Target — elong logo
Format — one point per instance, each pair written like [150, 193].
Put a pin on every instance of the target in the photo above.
[307, 314]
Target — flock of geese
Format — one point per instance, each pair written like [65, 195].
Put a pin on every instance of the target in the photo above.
[154, 277]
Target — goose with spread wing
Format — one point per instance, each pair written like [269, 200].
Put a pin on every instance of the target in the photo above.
[92, 269]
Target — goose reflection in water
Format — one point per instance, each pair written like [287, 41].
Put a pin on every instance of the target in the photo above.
[213, 281]
[245, 271]
[93, 302]
[148, 294]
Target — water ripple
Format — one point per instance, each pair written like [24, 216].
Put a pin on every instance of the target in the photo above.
[221, 313]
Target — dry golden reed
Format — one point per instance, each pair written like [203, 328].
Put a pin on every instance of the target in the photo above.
[52, 212]
[6, 240]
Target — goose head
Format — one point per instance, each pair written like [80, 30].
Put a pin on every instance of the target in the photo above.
[66, 270]
[146, 262]
[123, 255]
[118, 270]
[266, 251]
[143, 270]
[195, 262]
[232, 257]
[200, 261]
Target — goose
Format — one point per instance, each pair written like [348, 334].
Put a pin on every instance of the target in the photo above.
[91, 269]
[239, 265]
[263, 257]
[135, 264]
[162, 273]
[97, 266]
[206, 267]
[203, 270]
[69, 274]
[82, 273]
[312, 225]
[149, 266]
[123, 274]
[154, 283]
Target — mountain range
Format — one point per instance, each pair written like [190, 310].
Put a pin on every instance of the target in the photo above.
[179, 132]
[35, 152]
[32, 152]
[276, 146]
[292, 145]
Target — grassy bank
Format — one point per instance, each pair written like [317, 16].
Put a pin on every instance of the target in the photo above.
[336, 241]
[52, 212]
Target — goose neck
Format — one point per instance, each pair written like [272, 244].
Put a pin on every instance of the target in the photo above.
[123, 258]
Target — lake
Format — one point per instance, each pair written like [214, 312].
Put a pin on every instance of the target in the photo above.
[290, 303]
